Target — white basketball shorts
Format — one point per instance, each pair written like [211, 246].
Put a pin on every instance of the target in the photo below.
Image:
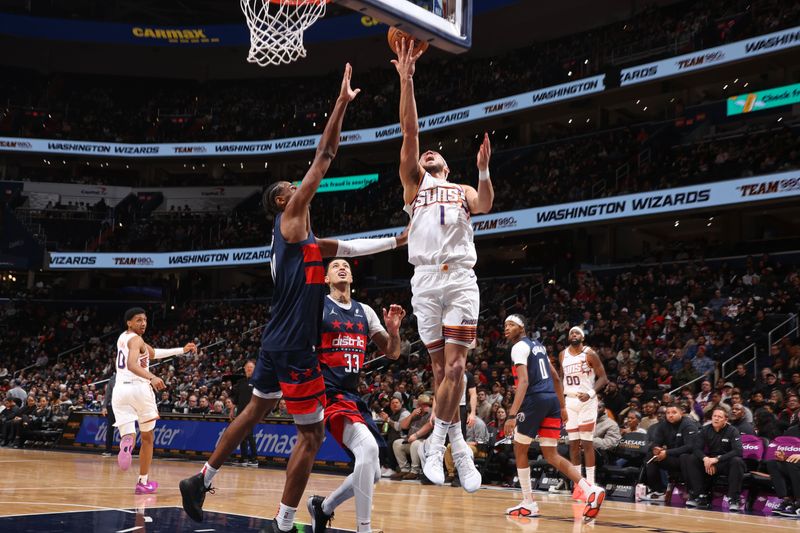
[446, 302]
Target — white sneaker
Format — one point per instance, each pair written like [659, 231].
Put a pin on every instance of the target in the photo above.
[594, 499]
[655, 497]
[468, 475]
[560, 487]
[433, 463]
[386, 472]
[526, 509]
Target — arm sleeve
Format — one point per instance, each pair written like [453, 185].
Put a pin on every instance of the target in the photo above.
[375, 325]
[358, 247]
[519, 353]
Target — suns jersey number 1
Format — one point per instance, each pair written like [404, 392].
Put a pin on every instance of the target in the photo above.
[441, 228]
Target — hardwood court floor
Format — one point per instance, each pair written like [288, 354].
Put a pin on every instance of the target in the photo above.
[39, 482]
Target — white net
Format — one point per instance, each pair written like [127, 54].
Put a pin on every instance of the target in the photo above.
[277, 27]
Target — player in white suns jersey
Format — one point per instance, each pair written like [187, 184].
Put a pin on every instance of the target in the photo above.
[133, 400]
[444, 287]
[583, 377]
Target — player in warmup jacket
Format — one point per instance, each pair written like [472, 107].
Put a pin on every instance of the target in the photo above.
[287, 364]
[538, 409]
[347, 327]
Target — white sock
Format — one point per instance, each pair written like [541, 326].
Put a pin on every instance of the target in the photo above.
[440, 428]
[524, 475]
[457, 442]
[285, 517]
[590, 475]
[208, 472]
[143, 479]
[585, 487]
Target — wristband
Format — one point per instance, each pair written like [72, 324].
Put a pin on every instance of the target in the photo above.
[483, 175]
[592, 393]
[161, 353]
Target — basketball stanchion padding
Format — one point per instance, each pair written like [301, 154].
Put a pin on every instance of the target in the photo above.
[277, 27]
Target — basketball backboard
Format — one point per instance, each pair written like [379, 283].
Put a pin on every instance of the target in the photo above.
[445, 24]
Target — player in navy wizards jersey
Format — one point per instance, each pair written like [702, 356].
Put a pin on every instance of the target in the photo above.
[538, 409]
[287, 363]
[347, 328]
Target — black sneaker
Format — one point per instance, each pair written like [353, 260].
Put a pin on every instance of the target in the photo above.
[273, 528]
[734, 505]
[319, 520]
[786, 508]
[692, 501]
[193, 491]
[703, 502]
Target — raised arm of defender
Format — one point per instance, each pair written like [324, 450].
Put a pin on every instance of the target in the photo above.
[389, 341]
[294, 221]
[410, 170]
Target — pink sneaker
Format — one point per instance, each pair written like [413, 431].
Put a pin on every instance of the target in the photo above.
[149, 488]
[125, 448]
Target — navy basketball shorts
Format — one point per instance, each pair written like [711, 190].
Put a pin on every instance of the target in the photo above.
[540, 415]
[293, 375]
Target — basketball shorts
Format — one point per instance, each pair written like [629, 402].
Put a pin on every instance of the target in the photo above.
[581, 418]
[540, 415]
[296, 377]
[446, 304]
[343, 406]
[133, 401]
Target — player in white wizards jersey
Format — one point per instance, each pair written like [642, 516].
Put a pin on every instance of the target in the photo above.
[133, 398]
[584, 376]
[445, 291]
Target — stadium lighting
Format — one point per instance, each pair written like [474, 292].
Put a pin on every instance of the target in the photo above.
[569, 73]
[780, 119]
[587, 120]
[585, 61]
[677, 223]
[638, 102]
[725, 87]
[569, 121]
[736, 81]
[746, 83]
[645, 108]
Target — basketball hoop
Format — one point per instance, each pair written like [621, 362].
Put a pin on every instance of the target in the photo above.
[277, 27]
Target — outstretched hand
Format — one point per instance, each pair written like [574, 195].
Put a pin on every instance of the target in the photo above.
[393, 318]
[347, 93]
[484, 153]
[406, 59]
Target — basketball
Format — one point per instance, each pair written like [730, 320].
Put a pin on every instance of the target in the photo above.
[395, 35]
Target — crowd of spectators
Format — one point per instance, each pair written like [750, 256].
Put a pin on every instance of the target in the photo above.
[82, 108]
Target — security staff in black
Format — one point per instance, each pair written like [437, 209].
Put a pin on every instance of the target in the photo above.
[718, 450]
[241, 396]
[671, 438]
